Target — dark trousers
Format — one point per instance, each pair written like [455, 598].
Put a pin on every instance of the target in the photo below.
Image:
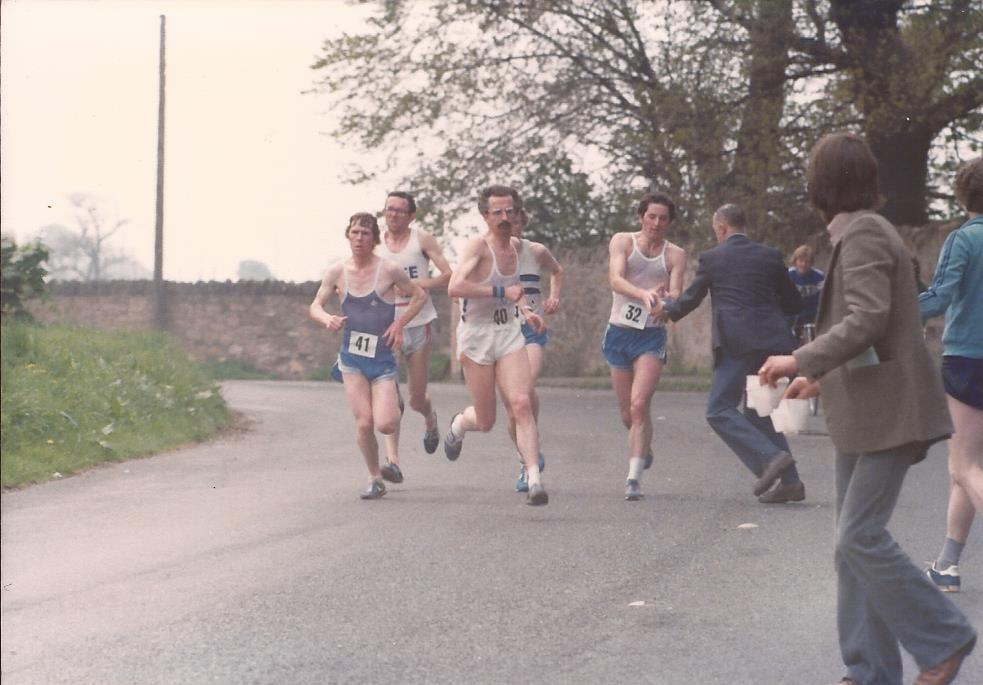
[882, 597]
[752, 438]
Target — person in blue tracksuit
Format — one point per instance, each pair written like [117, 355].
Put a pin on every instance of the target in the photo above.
[957, 291]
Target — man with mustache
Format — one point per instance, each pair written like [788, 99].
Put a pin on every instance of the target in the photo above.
[490, 343]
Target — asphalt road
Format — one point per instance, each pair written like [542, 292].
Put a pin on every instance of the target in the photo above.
[251, 559]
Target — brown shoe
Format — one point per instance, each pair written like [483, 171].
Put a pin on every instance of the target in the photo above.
[784, 492]
[772, 472]
[944, 673]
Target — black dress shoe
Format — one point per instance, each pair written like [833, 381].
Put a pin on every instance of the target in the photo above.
[772, 472]
[784, 492]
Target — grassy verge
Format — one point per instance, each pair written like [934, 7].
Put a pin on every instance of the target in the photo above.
[236, 370]
[72, 398]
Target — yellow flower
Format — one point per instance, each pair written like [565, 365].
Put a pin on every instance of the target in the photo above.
[50, 441]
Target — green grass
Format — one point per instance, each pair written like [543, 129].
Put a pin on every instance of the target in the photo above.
[73, 398]
[234, 369]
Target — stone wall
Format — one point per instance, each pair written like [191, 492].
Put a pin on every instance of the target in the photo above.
[262, 324]
[265, 324]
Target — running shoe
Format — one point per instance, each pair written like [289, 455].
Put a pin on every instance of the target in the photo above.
[431, 437]
[391, 473]
[453, 444]
[633, 492]
[946, 580]
[537, 495]
[522, 483]
[376, 490]
[648, 458]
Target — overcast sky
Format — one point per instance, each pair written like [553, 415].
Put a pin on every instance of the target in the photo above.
[250, 170]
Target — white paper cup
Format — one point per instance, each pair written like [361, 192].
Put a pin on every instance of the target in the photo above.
[779, 418]
[796, 415]
[764, 398]
[757, 396]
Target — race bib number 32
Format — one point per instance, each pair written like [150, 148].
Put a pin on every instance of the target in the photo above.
[633, 315]
[363, 344]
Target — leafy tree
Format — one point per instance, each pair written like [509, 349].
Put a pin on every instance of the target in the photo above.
[711, 100]
[21, 276]
[905, 73]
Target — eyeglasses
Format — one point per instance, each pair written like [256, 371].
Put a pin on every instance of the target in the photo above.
[502, 212]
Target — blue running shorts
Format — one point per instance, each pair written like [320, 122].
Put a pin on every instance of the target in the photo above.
[622, 345]
[373, 369]
[534, 338]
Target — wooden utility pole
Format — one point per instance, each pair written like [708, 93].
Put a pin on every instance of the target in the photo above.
[160, 318]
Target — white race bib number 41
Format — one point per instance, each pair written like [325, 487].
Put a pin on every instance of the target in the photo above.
[632, 315]
[363, 344]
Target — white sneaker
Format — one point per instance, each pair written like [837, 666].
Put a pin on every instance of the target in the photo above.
[947, 579]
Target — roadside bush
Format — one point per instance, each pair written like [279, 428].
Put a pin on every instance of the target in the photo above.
[21, 276]
[71, 398]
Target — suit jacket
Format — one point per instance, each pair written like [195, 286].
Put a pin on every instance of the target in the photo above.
[750, 294]
[870, 301]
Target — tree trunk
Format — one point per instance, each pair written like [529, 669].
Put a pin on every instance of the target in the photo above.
[903, 160]
[758, 140]
[890, 83]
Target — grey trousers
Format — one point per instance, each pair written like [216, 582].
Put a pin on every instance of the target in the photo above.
[882, 598]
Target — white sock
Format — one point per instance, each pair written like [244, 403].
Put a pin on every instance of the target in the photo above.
[534, 477]
[635, 467]
[456, 429]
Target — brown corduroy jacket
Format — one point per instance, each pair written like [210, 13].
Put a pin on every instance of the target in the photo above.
[880, 386]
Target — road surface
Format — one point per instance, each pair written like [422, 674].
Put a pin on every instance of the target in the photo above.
[250, 559]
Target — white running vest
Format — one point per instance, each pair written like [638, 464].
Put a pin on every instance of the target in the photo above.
[530, 278]
[644, 272]
[493, 310]
[416, 265]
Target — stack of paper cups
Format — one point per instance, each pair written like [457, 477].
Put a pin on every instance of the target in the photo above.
[791, 416]
[764, 398]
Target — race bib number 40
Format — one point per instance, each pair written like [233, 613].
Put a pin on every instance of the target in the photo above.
[363, 344]
[503, 315]
[633, 315]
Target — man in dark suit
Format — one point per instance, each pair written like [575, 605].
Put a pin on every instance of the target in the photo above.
[750, 294]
